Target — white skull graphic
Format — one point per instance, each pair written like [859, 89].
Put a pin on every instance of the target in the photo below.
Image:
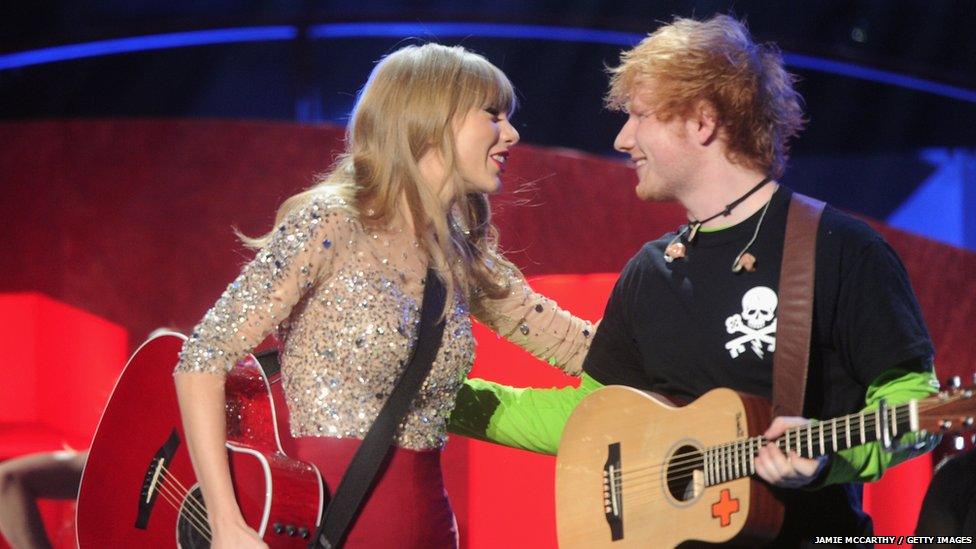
[758, 306]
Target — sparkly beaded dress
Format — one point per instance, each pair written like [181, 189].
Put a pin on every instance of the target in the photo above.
[345, 302]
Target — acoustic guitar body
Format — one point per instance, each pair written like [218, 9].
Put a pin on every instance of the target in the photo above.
[629, 473]
[138, 488]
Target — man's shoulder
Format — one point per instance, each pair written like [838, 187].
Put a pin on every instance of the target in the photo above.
[652, 252]
[842, 230]
[835, 224]
[648, 259]
[846, 224]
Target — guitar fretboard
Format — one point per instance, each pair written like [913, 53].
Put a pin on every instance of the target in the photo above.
[734, 460]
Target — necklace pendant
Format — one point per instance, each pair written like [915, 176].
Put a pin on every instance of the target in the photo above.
[674, 251]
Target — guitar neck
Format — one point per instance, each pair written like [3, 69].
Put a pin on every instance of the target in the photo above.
[734, 460]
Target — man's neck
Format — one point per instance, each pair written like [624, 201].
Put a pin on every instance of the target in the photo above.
[721, 187]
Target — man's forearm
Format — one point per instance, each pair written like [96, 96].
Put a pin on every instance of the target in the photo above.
[868, 462]
[526, 418]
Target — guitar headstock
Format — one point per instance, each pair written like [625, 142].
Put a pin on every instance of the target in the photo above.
[952, 409]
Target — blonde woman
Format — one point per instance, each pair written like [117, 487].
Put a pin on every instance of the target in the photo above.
[341, 278]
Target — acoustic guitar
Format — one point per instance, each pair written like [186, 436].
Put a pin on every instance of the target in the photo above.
[138, 488]
[633, 470]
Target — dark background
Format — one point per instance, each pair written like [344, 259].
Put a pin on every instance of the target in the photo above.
[861, 149]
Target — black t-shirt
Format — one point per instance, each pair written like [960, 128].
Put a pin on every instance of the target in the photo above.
[686, 327]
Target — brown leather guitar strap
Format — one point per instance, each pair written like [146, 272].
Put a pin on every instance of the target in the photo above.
[795, 309]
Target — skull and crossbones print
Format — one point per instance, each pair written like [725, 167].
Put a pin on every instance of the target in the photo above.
[755, 325]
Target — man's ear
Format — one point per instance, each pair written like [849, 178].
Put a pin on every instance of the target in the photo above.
[705, 122]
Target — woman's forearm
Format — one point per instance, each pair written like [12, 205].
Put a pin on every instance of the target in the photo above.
[201, 398]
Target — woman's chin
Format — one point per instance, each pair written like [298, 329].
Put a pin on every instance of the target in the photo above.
[492, 186]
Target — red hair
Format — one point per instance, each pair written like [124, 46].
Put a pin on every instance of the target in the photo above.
[716, 61]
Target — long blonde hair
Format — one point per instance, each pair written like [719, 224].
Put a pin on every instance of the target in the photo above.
[409, 105]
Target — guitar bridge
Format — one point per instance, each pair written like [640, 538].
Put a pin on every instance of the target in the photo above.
[155, 470]
[613, 501]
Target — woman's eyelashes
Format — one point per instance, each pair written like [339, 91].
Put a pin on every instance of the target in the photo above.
[495, 114]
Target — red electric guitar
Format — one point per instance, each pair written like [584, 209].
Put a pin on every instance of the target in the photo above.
[138, 488]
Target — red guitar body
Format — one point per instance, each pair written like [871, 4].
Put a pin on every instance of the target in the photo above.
[138, 488]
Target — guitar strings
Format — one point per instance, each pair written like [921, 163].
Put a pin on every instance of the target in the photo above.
[175, 505]
[190, 502]
[830, 429]
[193, 520]
[642, 487]
[738, 447]
[639, 493]
[725, 469]
[691, 461]
[186, 510]
[173, 500]
[192, 506]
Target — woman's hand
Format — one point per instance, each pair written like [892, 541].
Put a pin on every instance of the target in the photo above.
[231, 534]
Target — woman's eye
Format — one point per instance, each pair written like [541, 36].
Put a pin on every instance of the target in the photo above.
[493, 112]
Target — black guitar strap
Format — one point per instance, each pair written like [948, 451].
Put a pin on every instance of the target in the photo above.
[366, 463]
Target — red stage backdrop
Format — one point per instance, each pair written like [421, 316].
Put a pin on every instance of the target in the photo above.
[60, 364]
[131, 220]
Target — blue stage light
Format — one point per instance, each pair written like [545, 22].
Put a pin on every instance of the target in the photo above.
[145, 43]
[434, 31]
[876, 75]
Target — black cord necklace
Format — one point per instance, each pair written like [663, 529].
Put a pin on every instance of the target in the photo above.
[676, 249]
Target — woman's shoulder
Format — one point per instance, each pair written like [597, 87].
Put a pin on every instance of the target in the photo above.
[332, 201]
[325, 211]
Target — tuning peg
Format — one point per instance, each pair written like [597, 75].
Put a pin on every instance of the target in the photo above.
[945, 425]
[955, 382]
[968, 422]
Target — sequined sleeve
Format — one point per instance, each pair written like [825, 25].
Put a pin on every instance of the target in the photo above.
[301, 252]
[537, 324]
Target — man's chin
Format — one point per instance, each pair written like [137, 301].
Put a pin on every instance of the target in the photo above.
[649, 193]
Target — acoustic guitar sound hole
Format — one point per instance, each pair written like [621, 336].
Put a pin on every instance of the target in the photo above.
[685, 473]
[192, 530]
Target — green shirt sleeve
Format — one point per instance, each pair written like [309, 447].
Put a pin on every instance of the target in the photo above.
[868, 462]
[526, 418]
[533, 419]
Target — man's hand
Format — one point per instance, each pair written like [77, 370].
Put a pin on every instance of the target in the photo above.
[784, 471]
